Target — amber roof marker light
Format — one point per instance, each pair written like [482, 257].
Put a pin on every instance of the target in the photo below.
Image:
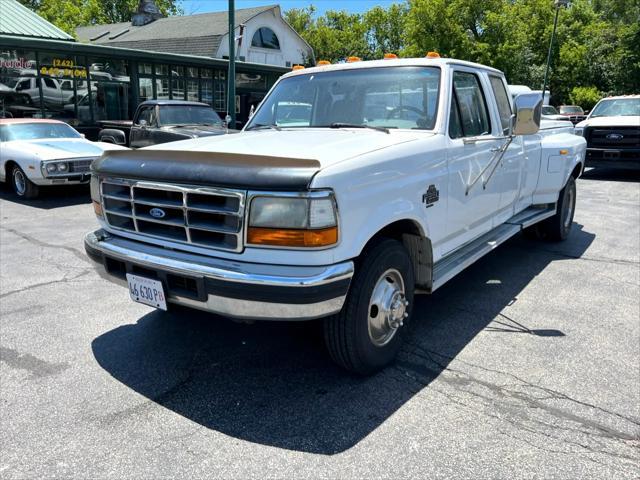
[390, 56]
[323, 62]
[353, 59]
[432, 55]
[297, 67]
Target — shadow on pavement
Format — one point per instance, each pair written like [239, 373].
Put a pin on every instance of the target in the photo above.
[273, 383]
[611, 174]
[50, 197]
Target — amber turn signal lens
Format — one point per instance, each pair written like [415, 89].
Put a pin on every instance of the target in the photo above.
[289, 237]
[97, 207]
[297, 67]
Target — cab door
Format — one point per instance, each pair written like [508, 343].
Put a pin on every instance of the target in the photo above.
[472, 146]
[509, 172]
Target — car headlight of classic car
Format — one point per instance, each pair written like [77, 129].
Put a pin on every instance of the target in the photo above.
[55, 168]
[298, 220]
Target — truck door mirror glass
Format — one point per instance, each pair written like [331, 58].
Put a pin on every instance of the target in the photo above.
[528, 108]
[143, 123]
[227, 120]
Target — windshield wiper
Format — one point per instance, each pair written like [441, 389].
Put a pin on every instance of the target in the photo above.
[263, 126]
[358, 125]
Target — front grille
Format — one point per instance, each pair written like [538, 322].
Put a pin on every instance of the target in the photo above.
[208, 217]
[612, 137]
[80, 166]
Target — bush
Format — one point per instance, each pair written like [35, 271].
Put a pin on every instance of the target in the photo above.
[586, 97]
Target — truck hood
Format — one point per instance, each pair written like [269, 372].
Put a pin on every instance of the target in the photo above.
[327, 146]
[264, 160]
[54, 148]
[621, 121]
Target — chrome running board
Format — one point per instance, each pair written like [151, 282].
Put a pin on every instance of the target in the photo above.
[449, 266]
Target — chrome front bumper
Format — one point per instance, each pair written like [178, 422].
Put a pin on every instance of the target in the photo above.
[226, 287]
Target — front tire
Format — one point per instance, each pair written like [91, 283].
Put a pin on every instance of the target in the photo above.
[366, 335]
[22, 186]
[558, 227]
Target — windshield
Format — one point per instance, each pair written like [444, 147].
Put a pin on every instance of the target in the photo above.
[11, 82]
[391, 97]
[571, 109]
[36, 131]
[624, 107]
[188, 115]
[549, 110]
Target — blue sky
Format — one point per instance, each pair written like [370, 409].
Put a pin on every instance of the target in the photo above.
[355, 6]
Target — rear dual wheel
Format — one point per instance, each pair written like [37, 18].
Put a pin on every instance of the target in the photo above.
[367, 334]
[558, 227]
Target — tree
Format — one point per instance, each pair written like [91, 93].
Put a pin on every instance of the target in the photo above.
[69, 14]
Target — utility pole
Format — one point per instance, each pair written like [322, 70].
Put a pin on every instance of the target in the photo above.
[231, 75]
[557, 4]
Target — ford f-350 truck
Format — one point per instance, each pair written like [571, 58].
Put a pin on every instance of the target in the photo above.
[352, 188]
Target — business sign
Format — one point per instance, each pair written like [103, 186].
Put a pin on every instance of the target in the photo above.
[18, 63]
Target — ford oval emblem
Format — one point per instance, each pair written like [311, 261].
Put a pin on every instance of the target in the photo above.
[615, 136]
[157, 213]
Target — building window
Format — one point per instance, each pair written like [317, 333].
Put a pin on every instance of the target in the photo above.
[265, 38]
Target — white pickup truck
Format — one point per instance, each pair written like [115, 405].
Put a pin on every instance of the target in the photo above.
[351, 189]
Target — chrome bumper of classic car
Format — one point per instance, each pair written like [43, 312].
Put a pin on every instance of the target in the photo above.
[226, 287]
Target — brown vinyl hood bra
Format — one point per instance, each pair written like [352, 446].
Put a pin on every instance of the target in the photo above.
[234, 170]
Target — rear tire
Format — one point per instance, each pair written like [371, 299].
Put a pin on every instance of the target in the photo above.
[22, 186]
[558, 227]
[367, 334]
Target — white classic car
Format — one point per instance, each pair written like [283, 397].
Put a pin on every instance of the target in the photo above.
[612, 131]
[35, 153]
[386, 180]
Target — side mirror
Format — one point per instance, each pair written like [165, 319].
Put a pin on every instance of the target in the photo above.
[143, 123]
[227, 120]
[526, 120]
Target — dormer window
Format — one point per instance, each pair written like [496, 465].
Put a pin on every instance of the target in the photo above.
[265, 38]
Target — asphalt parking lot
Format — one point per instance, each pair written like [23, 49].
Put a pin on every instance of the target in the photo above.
[526, 365]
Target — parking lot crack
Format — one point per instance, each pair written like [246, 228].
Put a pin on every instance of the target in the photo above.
[64, 279]
[74, 251]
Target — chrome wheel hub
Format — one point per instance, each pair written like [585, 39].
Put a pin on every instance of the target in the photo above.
[569, 206]
[19, 181]
[388, 307]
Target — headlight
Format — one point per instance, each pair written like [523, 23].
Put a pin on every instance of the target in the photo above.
[307, 222]
[95, 195]
[579, 131]
[53, 168]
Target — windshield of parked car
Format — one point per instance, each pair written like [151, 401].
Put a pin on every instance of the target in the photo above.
[549, 110]
[615, 107]
[188, 115]
[390, 97]
[571, 109]
[36, 131]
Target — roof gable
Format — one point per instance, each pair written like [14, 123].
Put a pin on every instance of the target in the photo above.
[16, 19]
[188, 26]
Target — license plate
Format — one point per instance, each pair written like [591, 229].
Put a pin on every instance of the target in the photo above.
[147, 291]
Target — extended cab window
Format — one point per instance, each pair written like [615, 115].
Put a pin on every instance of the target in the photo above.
[471, 107]
[502, 99]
